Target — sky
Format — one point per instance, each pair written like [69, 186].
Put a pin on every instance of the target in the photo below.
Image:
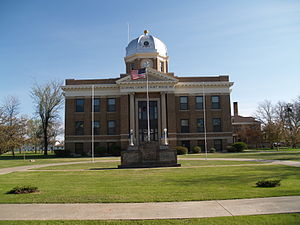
[256, 43]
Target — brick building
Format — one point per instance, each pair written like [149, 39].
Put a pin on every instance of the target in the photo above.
[176, 103]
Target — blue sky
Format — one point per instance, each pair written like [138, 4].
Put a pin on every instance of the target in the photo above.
[257, 43]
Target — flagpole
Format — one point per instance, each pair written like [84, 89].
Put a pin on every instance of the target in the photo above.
[148, 108]
[204, 120]
[93, 97]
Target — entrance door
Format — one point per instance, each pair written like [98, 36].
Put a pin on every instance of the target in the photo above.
[143, 123]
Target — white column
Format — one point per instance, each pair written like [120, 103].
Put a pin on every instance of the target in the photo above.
[163, 110]
[132, 112]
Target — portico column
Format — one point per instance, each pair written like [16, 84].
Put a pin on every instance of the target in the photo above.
[131, 111]
[163, 110]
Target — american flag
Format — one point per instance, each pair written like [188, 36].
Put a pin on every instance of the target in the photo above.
[137, 74]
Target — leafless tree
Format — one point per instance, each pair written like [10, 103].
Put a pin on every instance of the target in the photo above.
[48, 100]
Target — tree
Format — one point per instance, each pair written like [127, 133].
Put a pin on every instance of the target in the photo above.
[271, 125]
[48, 100]
[12, 127]
[34, 133]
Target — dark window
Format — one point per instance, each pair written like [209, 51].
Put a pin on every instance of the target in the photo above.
[97, 105]
[111, 105]
[186, 144]
[215, 102]
[216, 125]
[131, 66]
[200, 125]
[184, 124]
[201, 144]
[111, 127]
[96, 127]
[79, 105]
[183, 102]
[79, 148]
[199, 102]
[218, 144]
[162, 66]
[79, 128]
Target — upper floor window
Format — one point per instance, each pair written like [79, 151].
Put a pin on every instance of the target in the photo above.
[79, 128]
[111, 105]
[183, 102]
[79, 105]
[111, 127]
[215, 102]
[96, 127]
[199, 102]
[184, 125]
[97, 105]
[162, 66]
[216, 125]
[200, 125]
[131, 66]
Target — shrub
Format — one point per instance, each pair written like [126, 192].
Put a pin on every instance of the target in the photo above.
[239, 146]
[196, 149]
[100, 151]
[181, 150]
[268, 183]
[115, 150]
[212, 150]
[23, 190]
[231, 148]
[61, 153]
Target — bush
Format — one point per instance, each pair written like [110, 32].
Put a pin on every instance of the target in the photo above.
[181, 150]
[239, 146]
[212, 150]
[100, 151]
[196, 149]
[268, 183]
[115, 150]
[231, 148]
[61, 153]
[23, 190]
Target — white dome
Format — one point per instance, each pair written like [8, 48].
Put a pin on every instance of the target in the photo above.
[146, 44]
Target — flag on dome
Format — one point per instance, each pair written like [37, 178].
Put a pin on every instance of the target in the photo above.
[137, 74]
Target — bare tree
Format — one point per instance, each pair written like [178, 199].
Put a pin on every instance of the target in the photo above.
[12, 125]
[48, 100]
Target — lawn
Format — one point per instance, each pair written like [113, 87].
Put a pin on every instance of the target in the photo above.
[150, 185]
[111, 165]
[274, 219]
[291, 155]
[7, 160]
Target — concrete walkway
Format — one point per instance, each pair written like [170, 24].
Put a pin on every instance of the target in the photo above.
[162, 210]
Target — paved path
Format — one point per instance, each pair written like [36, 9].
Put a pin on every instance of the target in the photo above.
[275, 162]
[163, 210]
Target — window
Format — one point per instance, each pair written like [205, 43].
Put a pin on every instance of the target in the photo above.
[111, 105]
[79, 128]
[200, 125]
[131, 66]
[186, 144]
[162, 66]
[216, 124]
[215, 102]
[97, 105]
[199, 102]
[184, 124]
[111, 127]
[79, 105]
[79, 148]
[218, 145]
[96, 127]
[183, 103]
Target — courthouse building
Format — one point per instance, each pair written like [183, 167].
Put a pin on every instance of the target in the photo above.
[176, 103]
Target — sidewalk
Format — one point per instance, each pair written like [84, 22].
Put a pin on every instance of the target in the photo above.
[159, 210]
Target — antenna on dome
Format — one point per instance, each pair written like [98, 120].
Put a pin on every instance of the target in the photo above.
[146, 32]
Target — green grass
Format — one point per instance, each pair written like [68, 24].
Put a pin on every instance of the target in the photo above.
[110, 165]
[268, 155]
[273, 219]
[150, 185]
[7, 160]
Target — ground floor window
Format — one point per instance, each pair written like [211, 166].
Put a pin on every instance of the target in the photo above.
[186, 144]
[218, 145]
[201, 144]
[79, 148]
